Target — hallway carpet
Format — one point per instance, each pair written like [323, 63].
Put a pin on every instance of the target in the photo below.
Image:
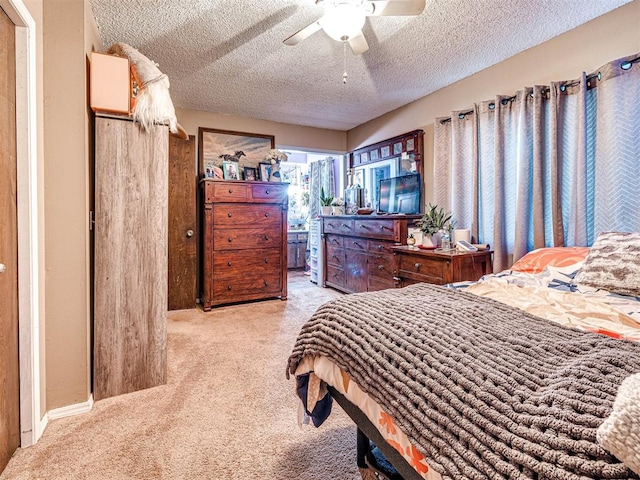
[227, 411]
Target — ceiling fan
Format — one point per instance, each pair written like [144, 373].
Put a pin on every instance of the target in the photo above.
[343, 19]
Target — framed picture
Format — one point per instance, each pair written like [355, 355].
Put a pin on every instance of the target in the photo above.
[397, 148]
[373, 154]
[216, 146]
[265, 171]
[231, 170]
[250, 174]
[409, 144]
[385, 151]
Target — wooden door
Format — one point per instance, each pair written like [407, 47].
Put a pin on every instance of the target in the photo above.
[9, 360]
[130, 306]
[183, 235]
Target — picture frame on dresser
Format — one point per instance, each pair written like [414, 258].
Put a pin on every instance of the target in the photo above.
[264, 170]
[216, 146]
[250, 174]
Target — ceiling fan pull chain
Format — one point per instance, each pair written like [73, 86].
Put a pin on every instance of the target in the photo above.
[344, 62]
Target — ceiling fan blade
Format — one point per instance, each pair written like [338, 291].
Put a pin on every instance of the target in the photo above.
[359, 44]
[300, 35]
[397, 7]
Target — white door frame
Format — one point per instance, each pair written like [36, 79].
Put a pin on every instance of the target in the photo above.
[32, 424]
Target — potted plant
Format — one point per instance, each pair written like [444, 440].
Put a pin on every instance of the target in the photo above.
[325, 202]
[337, 206]
[434, 221]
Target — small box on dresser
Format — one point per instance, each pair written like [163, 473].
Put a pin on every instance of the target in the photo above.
[244, 244]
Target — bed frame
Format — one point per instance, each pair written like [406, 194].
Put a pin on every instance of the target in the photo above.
[368, 433]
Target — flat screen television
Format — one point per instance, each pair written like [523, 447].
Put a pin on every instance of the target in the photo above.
[400, 194]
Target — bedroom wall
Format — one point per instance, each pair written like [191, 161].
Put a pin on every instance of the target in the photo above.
[287, 135]
[585, 48]
[69, 32]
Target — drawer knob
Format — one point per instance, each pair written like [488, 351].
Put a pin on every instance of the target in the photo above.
[231, 190]
[418, 265]
[267, 192]
[266, 215]
[228, 264]
[265, 283]
[335, 275]
[380, 267]
[230, 239]
[266, 260]
[229, 214]
[380, 247]
[229, 287]
[266, 237]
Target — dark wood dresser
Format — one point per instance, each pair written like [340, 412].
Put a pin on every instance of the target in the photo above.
[414, 265]
[244, 242]
[357, 250]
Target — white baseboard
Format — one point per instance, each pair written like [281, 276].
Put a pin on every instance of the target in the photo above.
[71, 410]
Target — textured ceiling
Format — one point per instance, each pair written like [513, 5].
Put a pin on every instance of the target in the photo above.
[227, 56]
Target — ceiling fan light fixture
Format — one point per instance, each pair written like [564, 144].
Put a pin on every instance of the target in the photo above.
[342, 20]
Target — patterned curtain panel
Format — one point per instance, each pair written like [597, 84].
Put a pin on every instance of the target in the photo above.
[552, 165]
[617, 152]
[321, 176]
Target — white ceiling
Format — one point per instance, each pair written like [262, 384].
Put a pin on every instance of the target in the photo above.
[227, 56]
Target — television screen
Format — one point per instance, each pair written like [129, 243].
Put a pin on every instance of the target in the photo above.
[400, 194]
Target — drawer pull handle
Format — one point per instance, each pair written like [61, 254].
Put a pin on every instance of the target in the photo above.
[363, 226]
[418, 265]
[335, 275]
[384, 227]
[356, 243]
[230, 239]
[267, 192]
[266, 237]
[344, 225]
[265, 283]
[231, 190]
[228, 264]
[266, 215]
[380, 247]
[380, 267]
[229, 214]
[335, 240]
[266, 260]
[229, 287]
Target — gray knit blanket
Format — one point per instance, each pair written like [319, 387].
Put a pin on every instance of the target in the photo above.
[484, 390]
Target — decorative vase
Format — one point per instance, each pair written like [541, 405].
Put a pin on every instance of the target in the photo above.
[431, 240]
[275, 173]
[326, 210]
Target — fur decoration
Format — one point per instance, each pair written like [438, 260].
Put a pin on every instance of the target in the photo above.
[153, 103]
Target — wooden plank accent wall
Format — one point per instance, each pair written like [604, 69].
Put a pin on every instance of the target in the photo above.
[131, 178]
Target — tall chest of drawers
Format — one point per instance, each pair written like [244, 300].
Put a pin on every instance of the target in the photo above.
[357, 250]
[244, 244]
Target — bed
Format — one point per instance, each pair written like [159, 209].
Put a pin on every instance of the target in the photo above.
[530, 373]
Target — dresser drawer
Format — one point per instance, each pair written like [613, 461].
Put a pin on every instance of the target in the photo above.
[249, 285]
[335, 255]
[381, 266]
[241, 263]
[382, 228]
[378, 283]
[225, 192]
[338, 225]
[356, 243]
[380, 246]
[424, 269]
[274, 193]
[246, 216]
[245, 238]
[335, 240]
[335, 275]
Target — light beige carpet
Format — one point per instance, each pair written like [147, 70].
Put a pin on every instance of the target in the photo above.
[227, 411]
